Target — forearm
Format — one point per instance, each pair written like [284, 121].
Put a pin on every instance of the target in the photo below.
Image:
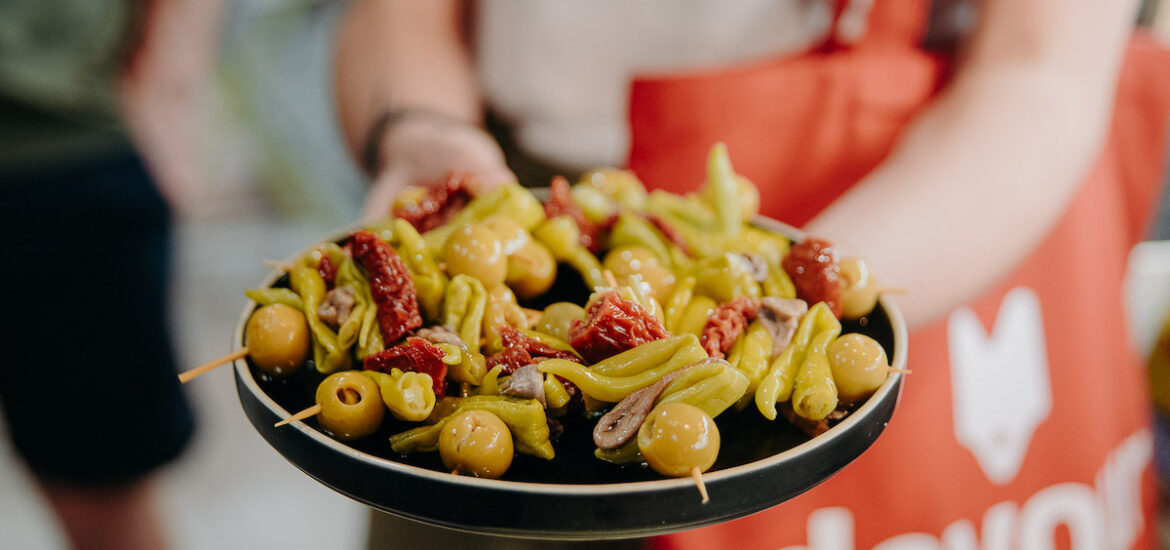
[401, 54]
[980, 178]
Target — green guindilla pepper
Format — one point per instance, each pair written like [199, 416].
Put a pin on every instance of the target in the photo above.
[695, 316]
[328, 355]
[525, 419]
[771, 246]
[815, 394]
[490, 383]
[777, 385]
[722, 191]
[712, 385]
[726, 276]
[550, 341]
[628, 452]
[466, 365]
[632, 230]
[752, 358]
[677, 303]
[777, 283]
[364, 312]
[410, 396]
[429, 280]
[646, 356]
[554, 392]
[269, 296]
[561, 235]
[463, 308]
[614, 388]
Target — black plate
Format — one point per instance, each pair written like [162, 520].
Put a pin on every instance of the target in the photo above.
[575, 496]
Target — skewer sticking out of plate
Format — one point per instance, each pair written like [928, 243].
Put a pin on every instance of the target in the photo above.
[276, 339]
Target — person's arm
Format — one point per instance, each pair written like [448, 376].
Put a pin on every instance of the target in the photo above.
[983, 175]
[407, 97]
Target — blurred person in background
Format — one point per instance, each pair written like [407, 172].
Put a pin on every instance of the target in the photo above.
[94, 114]
[998, 158]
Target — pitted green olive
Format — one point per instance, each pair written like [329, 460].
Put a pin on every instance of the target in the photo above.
[531, 270]
[859, 366]
[351, 405]
[476, 443]
[677, 438]
[277, 338]
[628, 260]
[476, 250]
[861, 290]
[558, 317]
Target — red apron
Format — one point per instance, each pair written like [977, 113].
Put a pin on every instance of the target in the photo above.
[1025, 423]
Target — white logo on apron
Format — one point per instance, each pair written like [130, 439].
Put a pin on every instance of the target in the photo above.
[999, 383]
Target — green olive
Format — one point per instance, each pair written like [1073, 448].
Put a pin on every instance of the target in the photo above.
[531, 270]
[861, 290]
[622, 186]
[558, 318]
[512, 235]
[277, 338]
[859, 367]
[351, 405]
[475, 250]
[628, 260]
[476, 443]
[677, 438]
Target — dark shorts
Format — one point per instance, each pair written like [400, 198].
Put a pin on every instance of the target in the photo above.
[88, 382]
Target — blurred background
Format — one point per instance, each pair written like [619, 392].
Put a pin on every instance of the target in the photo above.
[249, 192]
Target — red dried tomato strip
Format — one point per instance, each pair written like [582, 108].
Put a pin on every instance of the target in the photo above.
[813, 267]
[414, 355]
[441, 202]
[673, 235]
[560, 203]
[612, 325]
[726, 323]
[390, 286]
[521, 349]
[327, 270]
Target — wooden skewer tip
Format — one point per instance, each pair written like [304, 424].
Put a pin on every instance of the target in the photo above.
[209, 366]
[892, 290]
[311, 411]
[697, 475]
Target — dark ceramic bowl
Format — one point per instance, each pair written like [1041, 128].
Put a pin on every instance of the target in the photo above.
[575, 496]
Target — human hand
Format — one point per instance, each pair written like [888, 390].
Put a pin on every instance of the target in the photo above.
[421, 148]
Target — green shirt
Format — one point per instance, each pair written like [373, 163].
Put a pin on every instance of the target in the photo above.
[59, 66]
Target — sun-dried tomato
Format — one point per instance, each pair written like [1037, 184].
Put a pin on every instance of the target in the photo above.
[726, 323]
[441, 202]
[815, 272]
[669, 231]
[327, 270]
[414, 355]
[560, 202]
[390, 286]
[612, 325]
[520, 350]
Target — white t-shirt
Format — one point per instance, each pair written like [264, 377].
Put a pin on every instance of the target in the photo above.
[559, 72]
